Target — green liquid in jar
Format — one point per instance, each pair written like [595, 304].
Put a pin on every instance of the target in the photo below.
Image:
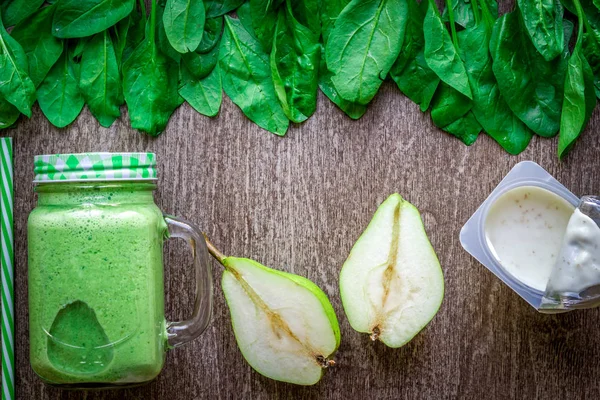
[96, 296]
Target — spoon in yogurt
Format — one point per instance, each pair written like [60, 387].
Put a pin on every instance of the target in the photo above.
[575, 279]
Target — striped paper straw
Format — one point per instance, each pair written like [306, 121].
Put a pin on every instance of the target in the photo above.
[6, 240]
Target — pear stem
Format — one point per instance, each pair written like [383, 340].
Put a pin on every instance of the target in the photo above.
[220, 257]
[325, 362]
[375, 334]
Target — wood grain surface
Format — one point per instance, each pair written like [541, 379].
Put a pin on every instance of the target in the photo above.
[298, 203]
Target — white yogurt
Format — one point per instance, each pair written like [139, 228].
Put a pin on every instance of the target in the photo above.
[577, 267]
[524, 229]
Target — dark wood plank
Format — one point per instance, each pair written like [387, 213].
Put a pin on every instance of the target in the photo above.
[298, 203]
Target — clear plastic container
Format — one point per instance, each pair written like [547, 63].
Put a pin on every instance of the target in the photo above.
[473, 238]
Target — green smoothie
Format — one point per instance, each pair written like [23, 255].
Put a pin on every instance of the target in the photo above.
[96, 296]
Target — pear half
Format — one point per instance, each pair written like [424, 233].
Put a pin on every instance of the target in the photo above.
[283, 323]
[392, 283]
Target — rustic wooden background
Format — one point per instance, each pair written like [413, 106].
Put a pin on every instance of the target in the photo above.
[298, 203]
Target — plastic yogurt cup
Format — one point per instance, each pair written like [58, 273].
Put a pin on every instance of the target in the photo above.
[481, 236]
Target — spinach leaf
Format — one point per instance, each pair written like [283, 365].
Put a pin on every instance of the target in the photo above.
[531, 86]
[15, 85]
[544, 22]
[464, 13]
[184, 22]
[59, 96]
[99, 80]
[15, 11]
[264, 20]
[244, 14]
[365, 42]
[417, 81]
[150, 83]
[466, 128]
[216, 8]
[591, 36]
[591, 51]
[80, 18]
[8, 114]
[34, 34]
[77, 49]
[353, 110]
[580, 98]
[410, 71]
[246, 78]
[448, 105]
[164, 45]
[294, 66]
[201, 64]
[489, 107]
[306, 13]
[134, 36]
[329, 12]
[451, 111]
[591, 11]
[204, 95]
[119, 34]
[213, 29]
[441, 51]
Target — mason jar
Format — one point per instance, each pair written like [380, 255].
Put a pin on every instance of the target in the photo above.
[96, 291]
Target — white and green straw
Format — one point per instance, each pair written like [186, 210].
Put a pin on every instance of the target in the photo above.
[6, 240]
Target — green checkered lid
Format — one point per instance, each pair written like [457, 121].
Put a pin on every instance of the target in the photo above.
[95, 167]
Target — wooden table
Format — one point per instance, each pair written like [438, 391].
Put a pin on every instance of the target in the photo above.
[298, 204]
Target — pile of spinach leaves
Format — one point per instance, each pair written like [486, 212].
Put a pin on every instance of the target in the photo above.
[528, 72]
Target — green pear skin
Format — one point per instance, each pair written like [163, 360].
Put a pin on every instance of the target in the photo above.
[283, 323]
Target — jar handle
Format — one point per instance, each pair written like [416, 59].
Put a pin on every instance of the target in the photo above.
[181, 332]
